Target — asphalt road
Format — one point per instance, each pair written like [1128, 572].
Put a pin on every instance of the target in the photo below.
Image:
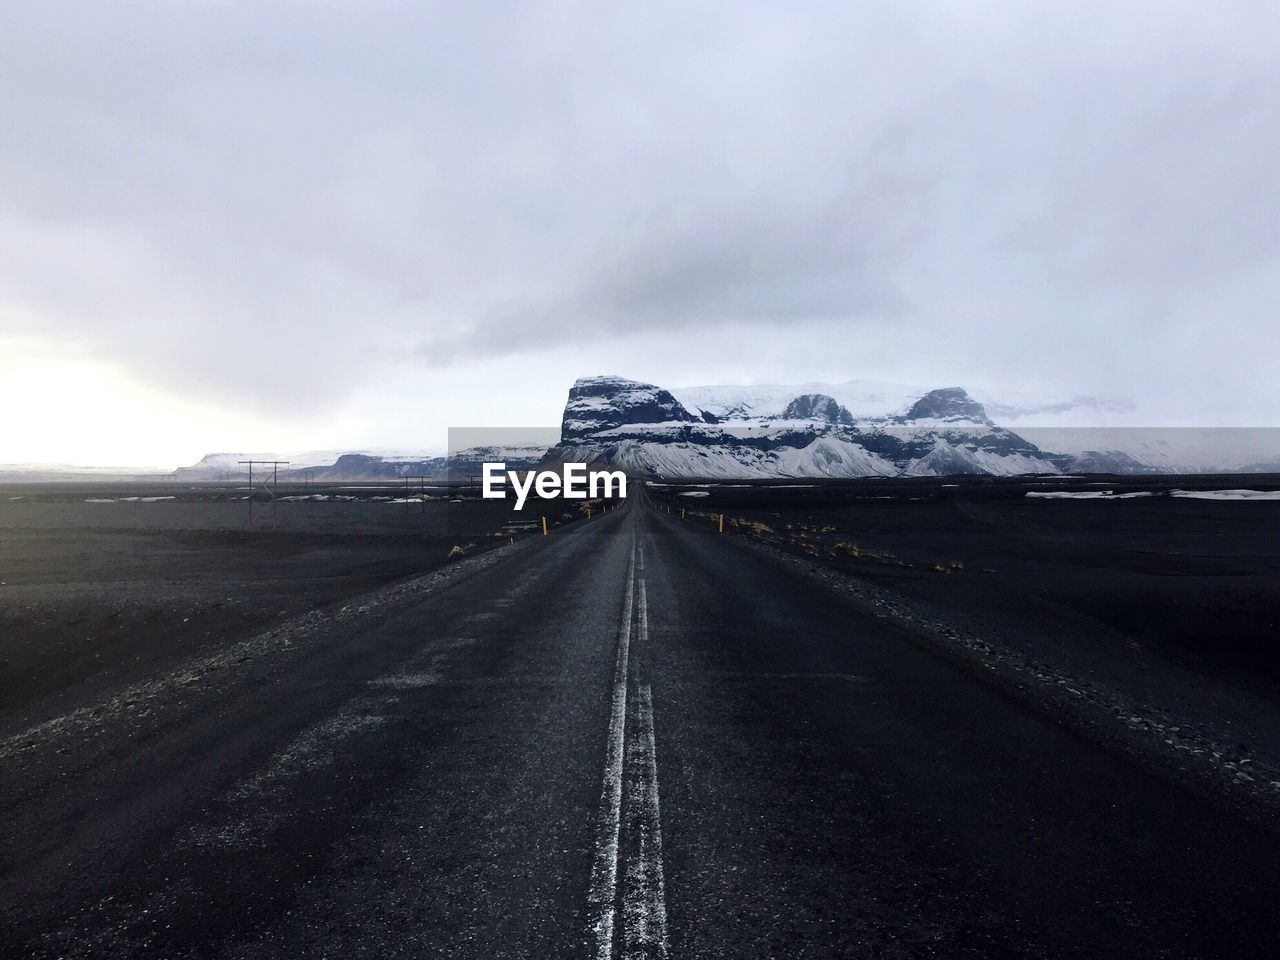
[629, 739]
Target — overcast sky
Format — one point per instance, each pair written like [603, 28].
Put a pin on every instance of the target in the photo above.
[266, 226]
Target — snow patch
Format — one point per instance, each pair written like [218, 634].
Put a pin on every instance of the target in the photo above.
[1227, 494]
[1089, 494]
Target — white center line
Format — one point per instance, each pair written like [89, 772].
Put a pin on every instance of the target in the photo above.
[644, 904]
[604, 869]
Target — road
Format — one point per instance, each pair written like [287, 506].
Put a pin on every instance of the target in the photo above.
[630, 739]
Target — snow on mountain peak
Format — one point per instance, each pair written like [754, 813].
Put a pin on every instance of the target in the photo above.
[865, 399]
[860, 428]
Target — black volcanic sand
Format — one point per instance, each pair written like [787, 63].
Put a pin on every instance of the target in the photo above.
[1173, 602]
[104, 584]
[1193, 580]
[419, 774]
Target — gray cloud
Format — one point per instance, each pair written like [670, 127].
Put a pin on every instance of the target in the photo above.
[284, 202]
[757, 265]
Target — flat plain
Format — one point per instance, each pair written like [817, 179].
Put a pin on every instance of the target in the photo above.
[926, 718]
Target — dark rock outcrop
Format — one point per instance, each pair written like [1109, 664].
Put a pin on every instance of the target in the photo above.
[948, 403]
[604, 403]
[817, 406]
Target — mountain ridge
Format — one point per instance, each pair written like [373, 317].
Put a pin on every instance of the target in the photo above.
[614, 421]
[873, 428]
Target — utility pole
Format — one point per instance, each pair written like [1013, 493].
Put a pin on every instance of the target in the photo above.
[422, 493]
[267, 485]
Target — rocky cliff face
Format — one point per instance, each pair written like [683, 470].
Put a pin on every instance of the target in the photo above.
[597, 404]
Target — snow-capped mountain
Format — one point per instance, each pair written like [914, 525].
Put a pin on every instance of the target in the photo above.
[867, 428]
[788, 432]
[877, 400]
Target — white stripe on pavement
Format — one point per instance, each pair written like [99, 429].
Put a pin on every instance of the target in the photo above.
[604, 869]
[629, 823]
[644, 905]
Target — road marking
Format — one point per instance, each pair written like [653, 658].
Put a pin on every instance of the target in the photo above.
[407, 680]
[632, 765]
[602, 897]
[644, 903]
[849, 677]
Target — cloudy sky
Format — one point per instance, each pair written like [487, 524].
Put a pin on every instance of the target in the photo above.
[285, 226]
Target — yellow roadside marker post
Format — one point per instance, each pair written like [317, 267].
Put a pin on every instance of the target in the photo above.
[722, 523]
[544, 526]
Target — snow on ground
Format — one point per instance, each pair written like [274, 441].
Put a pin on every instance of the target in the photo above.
[1089, 494]
[1227, 494]
[1186, 494]
[318, 497]
[127, 499]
